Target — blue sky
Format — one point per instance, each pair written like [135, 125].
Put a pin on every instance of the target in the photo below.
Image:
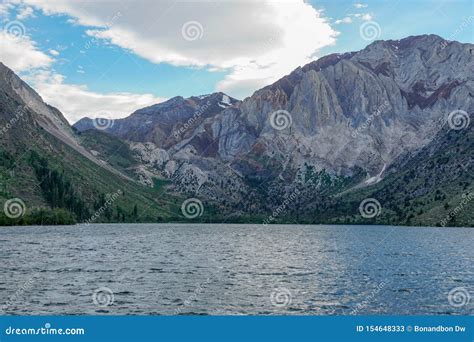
[116, 57]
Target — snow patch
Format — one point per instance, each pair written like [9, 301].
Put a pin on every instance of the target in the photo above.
[225, 102]
[377, 178]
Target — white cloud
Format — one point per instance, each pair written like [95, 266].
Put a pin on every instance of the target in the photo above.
[257, 42]
[346, 20]
[53, 52]
[25, 13]
[76, 101]
[21, 54]
[363, 16]
[5, 8]
[359, 5]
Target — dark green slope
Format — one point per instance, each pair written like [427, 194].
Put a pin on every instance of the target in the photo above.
[57, 184]
[435, 182]
[110, 148]
[420, 189]
[44, 167]
[433, 187]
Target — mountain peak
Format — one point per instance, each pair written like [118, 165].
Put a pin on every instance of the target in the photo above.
[337, 124]
[410, 41]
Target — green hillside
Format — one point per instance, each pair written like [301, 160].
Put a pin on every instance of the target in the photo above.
[46, 174]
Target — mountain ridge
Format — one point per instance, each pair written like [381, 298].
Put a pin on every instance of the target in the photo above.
[48, 177]
[350, 114]
[333, 131]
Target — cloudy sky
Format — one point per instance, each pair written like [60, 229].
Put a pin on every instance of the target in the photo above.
[108, 58]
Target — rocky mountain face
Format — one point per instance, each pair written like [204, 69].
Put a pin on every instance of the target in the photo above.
[339, 123]
[45, 117]
[391, 122]
[361, 109]
[164, 124]
[49, 118]
[48, 177]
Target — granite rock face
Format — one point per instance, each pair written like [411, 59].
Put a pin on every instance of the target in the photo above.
[349, 116]
[361, 109]
[165, 124]
[34, 112]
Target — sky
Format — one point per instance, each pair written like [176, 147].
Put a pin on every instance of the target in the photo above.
[108, 58]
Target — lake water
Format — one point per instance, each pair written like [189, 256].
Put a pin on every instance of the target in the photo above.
[151, 269]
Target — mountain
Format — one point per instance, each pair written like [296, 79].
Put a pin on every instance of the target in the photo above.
[47, 176]
[155, 123]
[426, 187]
[400, 88]
[388, 125]
[334, 130]
[168, 124]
